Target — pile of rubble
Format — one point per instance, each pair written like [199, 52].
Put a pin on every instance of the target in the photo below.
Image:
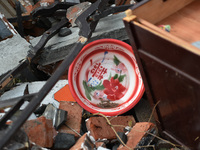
[66, 132]
[60, 123]
[63, 128]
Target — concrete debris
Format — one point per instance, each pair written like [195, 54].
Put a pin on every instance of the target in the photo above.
[57, 47]
[64, 141]
[15, 92]
[99, 135]
[13, 50]
[34, 87]
[64, 32]
[7, 30]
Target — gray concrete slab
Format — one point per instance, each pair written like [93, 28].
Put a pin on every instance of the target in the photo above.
[12, 51]
[58, 47]
[34, 87]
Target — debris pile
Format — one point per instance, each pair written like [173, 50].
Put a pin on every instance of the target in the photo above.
[60, 123]
[63, 128]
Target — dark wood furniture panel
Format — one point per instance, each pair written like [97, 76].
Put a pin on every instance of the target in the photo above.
[171, 75]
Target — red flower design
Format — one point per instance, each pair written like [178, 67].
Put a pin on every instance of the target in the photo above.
[113, 89]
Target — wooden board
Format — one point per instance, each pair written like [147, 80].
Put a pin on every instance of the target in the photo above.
[156, 10]
[185, 23]
[162, 34]
[170, 72]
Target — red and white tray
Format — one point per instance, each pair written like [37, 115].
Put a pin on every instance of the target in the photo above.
[105, 78]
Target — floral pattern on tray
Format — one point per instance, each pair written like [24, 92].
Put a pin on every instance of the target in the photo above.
[109, 89]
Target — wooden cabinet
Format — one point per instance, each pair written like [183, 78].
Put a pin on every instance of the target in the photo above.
[170, 64]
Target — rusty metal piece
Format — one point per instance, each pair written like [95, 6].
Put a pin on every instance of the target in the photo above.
[74, 11]
[7, 80]
[13, 73]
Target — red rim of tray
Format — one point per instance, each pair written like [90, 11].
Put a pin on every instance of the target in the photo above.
[105, 74]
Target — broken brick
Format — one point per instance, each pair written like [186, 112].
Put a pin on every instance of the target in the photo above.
[83, 142]
[100, 129]
[78, 144]
[40, 131]
[137, 133]
[74, 118]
